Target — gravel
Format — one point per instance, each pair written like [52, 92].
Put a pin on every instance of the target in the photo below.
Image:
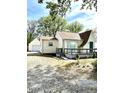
[48, 79]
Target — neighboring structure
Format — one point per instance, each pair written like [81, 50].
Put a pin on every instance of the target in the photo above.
[65, 44]
[35, 45]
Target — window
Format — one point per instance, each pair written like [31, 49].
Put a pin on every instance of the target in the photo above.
[71, 45]
[50, 43]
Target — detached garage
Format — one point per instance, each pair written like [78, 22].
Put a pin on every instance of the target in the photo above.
[34, 46]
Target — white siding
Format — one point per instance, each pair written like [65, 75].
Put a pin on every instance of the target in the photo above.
[63, 43]
[41, 46]
[49, 49]
[35, 42]
[60, 41]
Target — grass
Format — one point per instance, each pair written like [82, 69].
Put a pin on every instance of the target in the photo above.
[85, 66]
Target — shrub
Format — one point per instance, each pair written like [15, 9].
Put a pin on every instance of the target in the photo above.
[95, 66]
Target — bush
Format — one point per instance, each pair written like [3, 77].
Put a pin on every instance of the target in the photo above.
[94, 74]
[95, 66]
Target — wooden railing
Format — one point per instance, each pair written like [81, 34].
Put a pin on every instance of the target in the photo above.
[75, 50]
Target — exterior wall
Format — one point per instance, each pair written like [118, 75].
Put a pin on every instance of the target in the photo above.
[41, 46]
[49, 49]
[34, 42]
[60, 41]
[91, 39]
[63, 43]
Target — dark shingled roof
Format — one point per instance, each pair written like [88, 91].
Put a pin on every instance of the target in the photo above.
[85, 36]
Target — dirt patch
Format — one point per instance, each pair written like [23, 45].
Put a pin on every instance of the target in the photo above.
[32, 61]
[48, 79]
[54, 75]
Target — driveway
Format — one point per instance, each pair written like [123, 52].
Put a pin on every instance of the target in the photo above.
[33, 53]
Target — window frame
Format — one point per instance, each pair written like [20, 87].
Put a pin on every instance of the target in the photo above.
[50, 44]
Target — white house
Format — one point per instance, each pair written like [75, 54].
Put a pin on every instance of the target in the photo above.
[63, 40]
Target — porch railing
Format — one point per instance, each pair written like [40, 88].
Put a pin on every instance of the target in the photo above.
[76, 51]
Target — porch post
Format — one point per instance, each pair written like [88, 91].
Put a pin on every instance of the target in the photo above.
[71, 51]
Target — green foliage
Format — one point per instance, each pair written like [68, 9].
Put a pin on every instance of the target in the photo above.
[94, 73]
[29, 38]
[53, 8]
[31, 34]
[59, 8]
[40, 1]
[74, 27]
[89, 4]
[95, 66]
[77, 58]
[62, 6]
[48, 26]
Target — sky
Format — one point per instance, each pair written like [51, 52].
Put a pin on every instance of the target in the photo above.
[85, 17]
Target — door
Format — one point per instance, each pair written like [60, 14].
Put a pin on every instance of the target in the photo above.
[91, 46]
[36, 48]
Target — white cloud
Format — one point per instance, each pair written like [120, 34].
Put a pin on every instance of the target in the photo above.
[86, 17]
[88, 21]
[76, 8]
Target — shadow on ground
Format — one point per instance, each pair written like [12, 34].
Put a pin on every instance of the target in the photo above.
[48, 79]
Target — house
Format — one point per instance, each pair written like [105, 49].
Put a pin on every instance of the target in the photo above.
[73, 44]
[65, 44]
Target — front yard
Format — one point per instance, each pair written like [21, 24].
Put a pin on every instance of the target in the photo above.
[32, 61]
[54, 75]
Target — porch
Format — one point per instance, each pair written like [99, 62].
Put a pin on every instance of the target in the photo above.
[76, 52]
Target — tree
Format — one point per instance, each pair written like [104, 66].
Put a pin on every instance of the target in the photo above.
[31, 28]
[59, 8]
[62, 6]
[29, 39]
[89, 4]
[48, 26]
[74, 27]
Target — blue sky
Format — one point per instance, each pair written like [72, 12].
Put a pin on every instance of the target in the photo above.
[85, 17]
